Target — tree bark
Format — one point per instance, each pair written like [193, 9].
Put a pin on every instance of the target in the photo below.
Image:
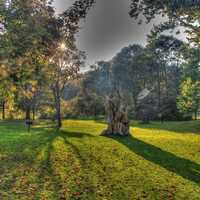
[33, 114]
[3, 110]
[159, 89]
[28, 113]
[58, 114]
[57, 101]
[195, 115]
[118, 122]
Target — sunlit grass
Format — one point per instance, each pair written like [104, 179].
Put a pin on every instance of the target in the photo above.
[159, 161]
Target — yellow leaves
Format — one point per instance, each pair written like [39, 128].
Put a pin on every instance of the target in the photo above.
[42, 154]
[189, 99]
[13, 88]
[3, 72]
[29, 88]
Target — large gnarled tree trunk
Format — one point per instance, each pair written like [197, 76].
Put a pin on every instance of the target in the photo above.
[117, 113]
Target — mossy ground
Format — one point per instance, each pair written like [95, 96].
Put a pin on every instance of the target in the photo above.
[159, 161]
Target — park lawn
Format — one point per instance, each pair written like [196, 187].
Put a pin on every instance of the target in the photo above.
[159, 161]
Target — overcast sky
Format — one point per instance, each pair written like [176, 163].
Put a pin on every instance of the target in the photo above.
[107, 29]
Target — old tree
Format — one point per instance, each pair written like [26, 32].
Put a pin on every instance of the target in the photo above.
[179, 14]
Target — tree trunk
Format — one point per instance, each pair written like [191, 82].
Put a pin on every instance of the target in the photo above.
[195, 115]
[33, 114]
[145, 119]
[3, 110]
[57, 101]
[135, 103]
[95, 111]
[159, 86]
[58, 113]
[28, 113]
[118, 122]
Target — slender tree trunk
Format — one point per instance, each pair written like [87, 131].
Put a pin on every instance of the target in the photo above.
[58, 105]
[135, 102]
[145, 120]
[28, 118]
[58, 113]
[159, 91]
[166, 80]
[33, 114]
[28, 113]
[195, 115]
[95, 112]
[3, 110]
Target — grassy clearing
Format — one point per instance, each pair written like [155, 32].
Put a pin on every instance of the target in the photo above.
[159, 161]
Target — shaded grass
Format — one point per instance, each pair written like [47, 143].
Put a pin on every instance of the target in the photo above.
[157, 162]
[191, 127]
[181, 166]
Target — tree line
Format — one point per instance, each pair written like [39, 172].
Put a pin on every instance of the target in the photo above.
[38, 55]
[166, 69]
[40, 64]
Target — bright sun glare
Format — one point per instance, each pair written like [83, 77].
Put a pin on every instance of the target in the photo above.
[62, 46]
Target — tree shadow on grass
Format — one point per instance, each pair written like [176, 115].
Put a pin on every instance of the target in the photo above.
[20, 155]
[74, 134]
[87, 179]
[39, 142]
[181, 166]
[172, 126]
[46, 168]
[177, 127]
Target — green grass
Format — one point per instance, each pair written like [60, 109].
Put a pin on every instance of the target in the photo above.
[159, 161]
